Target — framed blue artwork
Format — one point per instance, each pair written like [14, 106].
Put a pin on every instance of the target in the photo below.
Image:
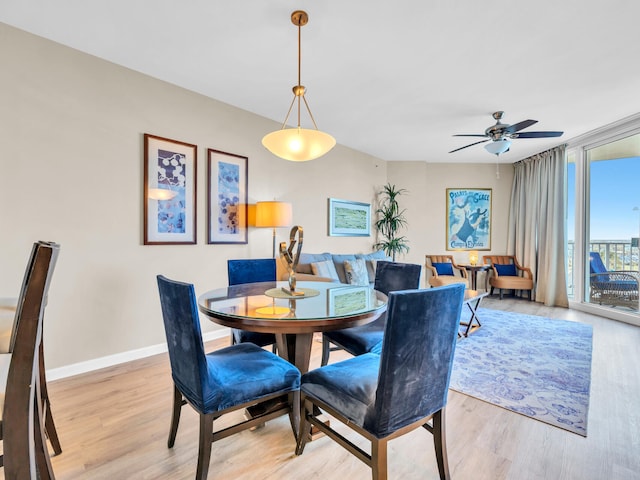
[227, 200]
[468, 218]
[169, 191]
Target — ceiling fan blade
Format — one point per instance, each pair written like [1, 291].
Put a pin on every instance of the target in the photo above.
[516, 127]
[537, 134]
[470, 145]
[470, 135]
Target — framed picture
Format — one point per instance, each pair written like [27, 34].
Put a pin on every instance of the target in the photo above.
[349, 300]
[227, 200]
[349, 219]
[468, 218]
[169, 191]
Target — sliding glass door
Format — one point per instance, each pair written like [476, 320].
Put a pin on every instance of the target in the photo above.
[603, 222]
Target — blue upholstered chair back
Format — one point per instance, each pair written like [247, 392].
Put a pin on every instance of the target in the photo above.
[391, 276]
[251, 270]
[184, 340]
[416, 359]
[595, 263]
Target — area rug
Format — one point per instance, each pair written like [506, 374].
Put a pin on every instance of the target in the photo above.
[535, 366]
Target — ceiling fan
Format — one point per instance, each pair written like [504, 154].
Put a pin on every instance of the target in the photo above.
[501, 134]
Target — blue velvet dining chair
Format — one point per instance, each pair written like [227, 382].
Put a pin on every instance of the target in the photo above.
[229, 379]
[252, 271]
[384, 396]
[390, 276]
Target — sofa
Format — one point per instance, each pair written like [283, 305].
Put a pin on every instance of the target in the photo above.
[316, 267]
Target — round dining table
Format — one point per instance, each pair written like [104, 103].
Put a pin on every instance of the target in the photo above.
[268, 307]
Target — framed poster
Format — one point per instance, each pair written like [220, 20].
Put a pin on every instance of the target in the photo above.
[468, 218]
[349, 219]
[227, 199]
[169, 191]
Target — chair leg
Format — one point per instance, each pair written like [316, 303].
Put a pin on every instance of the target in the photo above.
[49, 425]
[204, 450]
[305, 426]
[440, 443]
[379, 458]
[39, 446]
[175, 416]
[294, 413]
[326, 349]
[501, 294]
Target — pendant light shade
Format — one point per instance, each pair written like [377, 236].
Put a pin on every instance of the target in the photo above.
[298, 144]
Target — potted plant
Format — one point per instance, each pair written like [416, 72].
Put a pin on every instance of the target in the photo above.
[390, 220]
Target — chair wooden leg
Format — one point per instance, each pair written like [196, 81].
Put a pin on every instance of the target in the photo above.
[294, 413]
[305, 426]
[440, 443]
[326, 349]
[175, 416]
[49, 425]
[204, 450]
[379, 458]
[501, 294]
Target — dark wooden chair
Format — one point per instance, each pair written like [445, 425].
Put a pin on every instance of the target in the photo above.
[253, 270]
[22, 429]
[220, 382]
[384, 396]
[389, 277]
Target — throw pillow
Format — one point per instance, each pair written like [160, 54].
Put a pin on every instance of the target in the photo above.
[444, 268]
[506, 270]
[371, 269]
[356, 272]
[325, 269]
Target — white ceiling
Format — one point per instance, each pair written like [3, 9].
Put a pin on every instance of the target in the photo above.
[395, 79]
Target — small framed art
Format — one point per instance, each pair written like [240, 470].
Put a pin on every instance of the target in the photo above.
[227, 199]
[468, 218]
[349, 219]
[169, 191]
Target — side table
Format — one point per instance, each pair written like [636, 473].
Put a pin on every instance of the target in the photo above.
[473, 270]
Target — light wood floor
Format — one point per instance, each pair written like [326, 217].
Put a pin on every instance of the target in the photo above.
[113, 425]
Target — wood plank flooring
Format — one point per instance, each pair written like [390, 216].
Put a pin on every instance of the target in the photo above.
[113, 425]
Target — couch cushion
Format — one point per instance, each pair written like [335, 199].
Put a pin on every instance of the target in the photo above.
[356, 272]
[371, 260]
[306, 259]
[325, 269]
[338, 261]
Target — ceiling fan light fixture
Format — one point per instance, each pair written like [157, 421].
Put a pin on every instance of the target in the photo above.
[498, 146]
[298, 144]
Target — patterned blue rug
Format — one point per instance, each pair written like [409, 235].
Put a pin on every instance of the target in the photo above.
[535, 366]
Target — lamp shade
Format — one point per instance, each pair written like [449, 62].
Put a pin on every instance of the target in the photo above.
[298, 144]
[499, 146]
[273, 214]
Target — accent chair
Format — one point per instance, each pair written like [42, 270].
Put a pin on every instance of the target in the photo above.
[443, 270]
[506, 273]
[616, 288]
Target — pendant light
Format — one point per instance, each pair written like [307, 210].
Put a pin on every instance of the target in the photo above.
[298, 144]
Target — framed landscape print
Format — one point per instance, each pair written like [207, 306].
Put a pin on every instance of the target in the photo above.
[468, 218]
[349, 219]
[169, 191]
[227, 200]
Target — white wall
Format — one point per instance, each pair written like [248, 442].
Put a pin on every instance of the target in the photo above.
[71, 168]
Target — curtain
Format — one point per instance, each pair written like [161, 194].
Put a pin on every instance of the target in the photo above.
[537, 235]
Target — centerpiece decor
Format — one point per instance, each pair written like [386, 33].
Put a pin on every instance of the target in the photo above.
[292, 258]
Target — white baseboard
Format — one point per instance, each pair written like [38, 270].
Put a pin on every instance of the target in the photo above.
[118, 358]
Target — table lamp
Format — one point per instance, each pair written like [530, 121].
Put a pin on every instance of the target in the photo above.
[273, 215]
[473, 257]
